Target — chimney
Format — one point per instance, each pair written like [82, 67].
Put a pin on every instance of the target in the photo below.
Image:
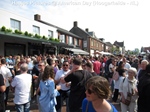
[87, 30]
[37, 17]
[75, 24]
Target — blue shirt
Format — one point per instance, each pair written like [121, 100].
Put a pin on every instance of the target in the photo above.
[47, 99]
[90, 107]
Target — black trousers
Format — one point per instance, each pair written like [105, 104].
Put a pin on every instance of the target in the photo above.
[79, 110]
[63, 95]
[6, 93]
[2, 106]
[116, 93]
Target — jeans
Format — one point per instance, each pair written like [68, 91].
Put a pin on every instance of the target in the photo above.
[37, 99]
[23, 107]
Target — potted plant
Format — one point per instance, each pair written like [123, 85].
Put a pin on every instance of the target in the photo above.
[30, 35]
[3, 28]
[9, 30]
[26, 33]
[57, 40]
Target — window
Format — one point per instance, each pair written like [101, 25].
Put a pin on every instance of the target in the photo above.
[15, 24]
[97, 44]
[92, 43]
[62, 38]
[50, 33]
[36, 30]
[70, 41]
[76, 41]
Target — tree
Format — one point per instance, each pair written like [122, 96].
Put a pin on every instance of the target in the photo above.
[136, 51]
[115, 50]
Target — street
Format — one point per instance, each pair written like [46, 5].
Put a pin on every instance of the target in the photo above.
[34, 106]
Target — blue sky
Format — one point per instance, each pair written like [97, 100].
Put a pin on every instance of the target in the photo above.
[121, 20]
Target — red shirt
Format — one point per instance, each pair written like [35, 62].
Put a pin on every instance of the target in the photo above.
[97, 66]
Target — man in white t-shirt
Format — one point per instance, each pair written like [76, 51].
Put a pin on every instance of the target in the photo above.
[64, 87]
[127, 66]
[7, 76]
[22, 85]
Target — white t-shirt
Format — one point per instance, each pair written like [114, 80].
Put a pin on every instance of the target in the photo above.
[60, 74]
[6, 74]
[117, 83]
[111, 66]
[22, 84]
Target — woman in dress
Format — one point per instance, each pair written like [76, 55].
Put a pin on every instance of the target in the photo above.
[48, 93]
[97, 93]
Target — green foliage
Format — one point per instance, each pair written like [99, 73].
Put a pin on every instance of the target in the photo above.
[52, 39]
[115, 50]
[57, 40]
[9, 30]
[30, 34]
[18, 32]
[26, 33]
[37, 36]
[44, 37]
[3, 28]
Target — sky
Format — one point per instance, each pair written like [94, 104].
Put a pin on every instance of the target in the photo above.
[113, 20]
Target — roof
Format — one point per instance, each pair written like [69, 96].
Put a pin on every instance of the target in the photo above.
[146, 48]
[78, 31]
[59, 29]
[109, 44]
[92, 34]
[119, 44]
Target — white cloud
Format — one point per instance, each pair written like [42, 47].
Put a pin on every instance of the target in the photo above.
[123, 20]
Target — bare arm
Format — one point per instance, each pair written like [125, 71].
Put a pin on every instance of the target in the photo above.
[71, 71]
[3, 88]
[38, 90]
[62, 79]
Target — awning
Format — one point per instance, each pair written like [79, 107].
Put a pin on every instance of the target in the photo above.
[103, 53]
[78, 51]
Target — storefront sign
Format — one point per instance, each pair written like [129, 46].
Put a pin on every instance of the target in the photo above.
[85, 43]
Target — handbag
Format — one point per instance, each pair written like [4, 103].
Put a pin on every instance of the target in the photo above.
[129, 96]
[128, 99]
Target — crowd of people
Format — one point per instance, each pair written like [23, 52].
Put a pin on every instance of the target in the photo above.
[84, 83]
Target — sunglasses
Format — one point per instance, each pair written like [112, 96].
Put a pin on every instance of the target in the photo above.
[39, 65]
[65, 65]
[90, 91]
